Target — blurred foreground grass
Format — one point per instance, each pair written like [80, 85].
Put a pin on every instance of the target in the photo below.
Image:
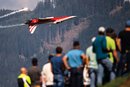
[119, 82]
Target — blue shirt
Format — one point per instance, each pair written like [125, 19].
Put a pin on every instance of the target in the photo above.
[57, 65]
[74, 58]
[99, 47]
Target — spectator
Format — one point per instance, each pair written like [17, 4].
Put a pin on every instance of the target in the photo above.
[111, 50]
[124, 46]
[93, 66]
[99, 47]
[74, 61]
[47, 74]
[86, 76]
[34, 72]
[23, 79]
[57, 68]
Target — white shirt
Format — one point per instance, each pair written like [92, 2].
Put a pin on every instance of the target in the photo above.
[92, 56]
[47, 74]
[86, 76]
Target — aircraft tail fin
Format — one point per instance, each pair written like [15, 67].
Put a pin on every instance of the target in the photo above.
[32, 28]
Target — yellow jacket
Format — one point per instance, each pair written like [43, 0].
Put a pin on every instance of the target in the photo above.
[25, 80]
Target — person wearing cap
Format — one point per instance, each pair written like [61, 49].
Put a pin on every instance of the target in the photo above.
[74, 61]
[124, 47]
[100, 47]
[93, 66]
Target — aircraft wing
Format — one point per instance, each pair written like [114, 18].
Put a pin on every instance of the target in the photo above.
[60, 19]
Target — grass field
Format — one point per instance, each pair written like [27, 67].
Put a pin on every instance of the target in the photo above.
[119, 82]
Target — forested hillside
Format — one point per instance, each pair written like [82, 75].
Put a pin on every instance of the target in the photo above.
[18, 46]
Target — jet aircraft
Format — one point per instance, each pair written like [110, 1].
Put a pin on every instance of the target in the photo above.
[55, 20]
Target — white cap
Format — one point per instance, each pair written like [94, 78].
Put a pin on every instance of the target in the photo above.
[93, 39]
[101, 29]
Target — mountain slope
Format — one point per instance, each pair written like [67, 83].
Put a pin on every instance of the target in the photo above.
[18, 46]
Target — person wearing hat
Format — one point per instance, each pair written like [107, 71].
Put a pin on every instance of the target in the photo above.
[102, 56]
[93, 66]
[123, 43]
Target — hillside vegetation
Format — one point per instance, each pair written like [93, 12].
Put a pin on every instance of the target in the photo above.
[18, 46]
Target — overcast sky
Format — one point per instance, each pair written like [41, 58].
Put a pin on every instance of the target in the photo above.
[18, 4]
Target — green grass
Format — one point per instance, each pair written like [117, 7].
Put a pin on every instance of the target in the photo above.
[118, 82]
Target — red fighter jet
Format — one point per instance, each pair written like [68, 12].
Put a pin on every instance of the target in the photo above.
[34, 22]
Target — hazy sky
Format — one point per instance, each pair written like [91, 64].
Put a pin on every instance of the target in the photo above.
[18, 4]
